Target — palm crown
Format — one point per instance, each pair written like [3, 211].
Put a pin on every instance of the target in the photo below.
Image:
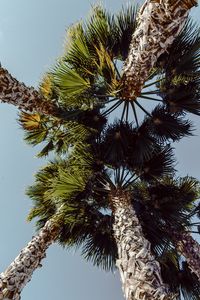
[86, 82]
[87, 214]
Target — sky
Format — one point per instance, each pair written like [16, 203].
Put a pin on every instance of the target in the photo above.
[31, 38]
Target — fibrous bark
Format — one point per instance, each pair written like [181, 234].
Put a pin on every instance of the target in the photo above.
[139, 270]
[190, 249]
[159, 22]
[25, 98]
[16, 276]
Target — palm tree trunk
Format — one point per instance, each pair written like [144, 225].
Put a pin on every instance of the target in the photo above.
[25, 98]
[16, 276]
[159, 22]
[190, 249]
[140, 272]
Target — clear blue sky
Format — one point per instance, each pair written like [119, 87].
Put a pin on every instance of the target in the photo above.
[31, 37]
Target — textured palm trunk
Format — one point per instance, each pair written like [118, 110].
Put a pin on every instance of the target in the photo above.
[190, 249]
[159, 22]
[140, 272]
[25, 98]
[16, 276]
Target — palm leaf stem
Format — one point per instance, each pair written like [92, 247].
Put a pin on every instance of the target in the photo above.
[152, 83]
[135, 114]
[122, 176]
[123, 112]
[117, 175]
[142, 108]
[112, 108]
[117, 71]
[150, 92]
[127, 111]
[131, 182]
[111, 100]
[150, 98]
[125, 176]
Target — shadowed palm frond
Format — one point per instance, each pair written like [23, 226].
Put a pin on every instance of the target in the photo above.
[165, 126]
[160, 164]
[176, 273]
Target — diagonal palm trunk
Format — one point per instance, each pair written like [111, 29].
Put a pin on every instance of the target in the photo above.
[159, 22]
[189, 248]
[25, 98]
[16, 276]
[140, 272]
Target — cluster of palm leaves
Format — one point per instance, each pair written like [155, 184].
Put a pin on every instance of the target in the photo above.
[104, 142]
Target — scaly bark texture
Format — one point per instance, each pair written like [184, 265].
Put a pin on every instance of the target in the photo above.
[16, 276]
[190, 249]
[140, 272]
[159, 22]
[25, 98]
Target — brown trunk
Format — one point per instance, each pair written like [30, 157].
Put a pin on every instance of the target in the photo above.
[16, 276]
[25, 98]
[159, 22]
[190, 249]
[139, 270]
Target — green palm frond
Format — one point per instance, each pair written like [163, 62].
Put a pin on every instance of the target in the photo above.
[69, 81]
[44, 206]
[106, 70]
[80, 55]
[67, 184]
[99, 28]
[56, 135]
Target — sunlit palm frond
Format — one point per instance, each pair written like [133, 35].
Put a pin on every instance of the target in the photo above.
[69, 81]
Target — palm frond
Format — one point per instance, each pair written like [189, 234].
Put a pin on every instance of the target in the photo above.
[180, 90]
[165, 126]
[124, 29]
[69, 81]
[161, 164]
[57, 135]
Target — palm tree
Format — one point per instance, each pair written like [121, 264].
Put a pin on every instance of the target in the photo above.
[159, 23]
[20, 271]
[16, 276]
[88, 83]
[154, 219]
[74, 202]
[25, 98]
[101, 196]
[177, 193]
